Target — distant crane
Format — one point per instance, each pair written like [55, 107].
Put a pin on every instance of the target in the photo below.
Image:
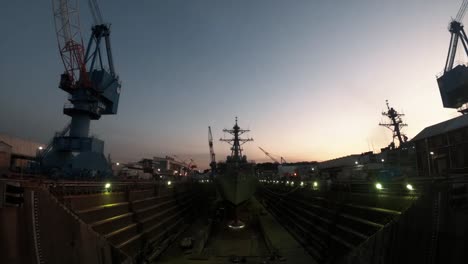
[192, 165]
[212, 153]
[395, 125]
[93, 87]
[269, 155]
[453, 83]
[283, 161]
[187, 167]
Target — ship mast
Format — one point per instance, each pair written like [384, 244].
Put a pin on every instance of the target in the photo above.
[236, 142]
[395, 125]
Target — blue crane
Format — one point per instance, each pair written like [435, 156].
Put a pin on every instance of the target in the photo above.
[453, 83]
[93, 87]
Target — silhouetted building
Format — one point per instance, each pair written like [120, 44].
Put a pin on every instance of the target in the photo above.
[442, 148]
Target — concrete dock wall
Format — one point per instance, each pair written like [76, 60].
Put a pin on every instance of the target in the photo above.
[41, 230]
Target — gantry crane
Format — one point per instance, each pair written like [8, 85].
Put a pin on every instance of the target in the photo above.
[93, 87]
[212, 153]
[453, 83]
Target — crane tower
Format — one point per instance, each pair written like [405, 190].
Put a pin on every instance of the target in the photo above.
[212, 153]
[93, 87]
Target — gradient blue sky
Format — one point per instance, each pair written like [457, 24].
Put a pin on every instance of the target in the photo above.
[309, 78]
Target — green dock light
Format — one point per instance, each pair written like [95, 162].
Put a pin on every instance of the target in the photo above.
[117, 163]
[287, 182]
[292, 183]
[383, 160]
[432, 152]
[356, 162]
[378, 186]
[315, 184]
[169, 183]
[409, 187]
[302, 183]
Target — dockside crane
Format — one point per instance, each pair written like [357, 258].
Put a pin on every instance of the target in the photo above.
[282, 160]
[269, 155]
[192, 165]
[93, 87]
[453, 83]
[212, 153]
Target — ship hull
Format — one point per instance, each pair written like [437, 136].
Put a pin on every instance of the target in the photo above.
[236, 185]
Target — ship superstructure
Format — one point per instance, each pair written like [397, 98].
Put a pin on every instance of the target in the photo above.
[395, 125]
[236, 177]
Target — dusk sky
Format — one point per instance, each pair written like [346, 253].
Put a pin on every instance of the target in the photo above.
[309, 78]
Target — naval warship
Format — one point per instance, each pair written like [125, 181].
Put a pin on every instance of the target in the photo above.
[235, 179]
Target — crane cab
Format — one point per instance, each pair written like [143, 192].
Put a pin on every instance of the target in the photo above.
[453, 86]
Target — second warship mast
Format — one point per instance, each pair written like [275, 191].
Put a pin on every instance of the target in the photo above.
[395, 125]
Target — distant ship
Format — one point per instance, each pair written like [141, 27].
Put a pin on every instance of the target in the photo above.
[235, 180]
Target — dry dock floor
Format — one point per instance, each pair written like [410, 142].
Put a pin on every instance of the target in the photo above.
[262, 240]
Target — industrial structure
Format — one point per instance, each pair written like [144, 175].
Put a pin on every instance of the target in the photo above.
[93, 87]
[18, 155]
[453, 82]
[157, 168]
[406, 204]
[442, 148]
[212, 153]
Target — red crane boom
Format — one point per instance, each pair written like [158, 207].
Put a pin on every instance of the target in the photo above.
[70, 42]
